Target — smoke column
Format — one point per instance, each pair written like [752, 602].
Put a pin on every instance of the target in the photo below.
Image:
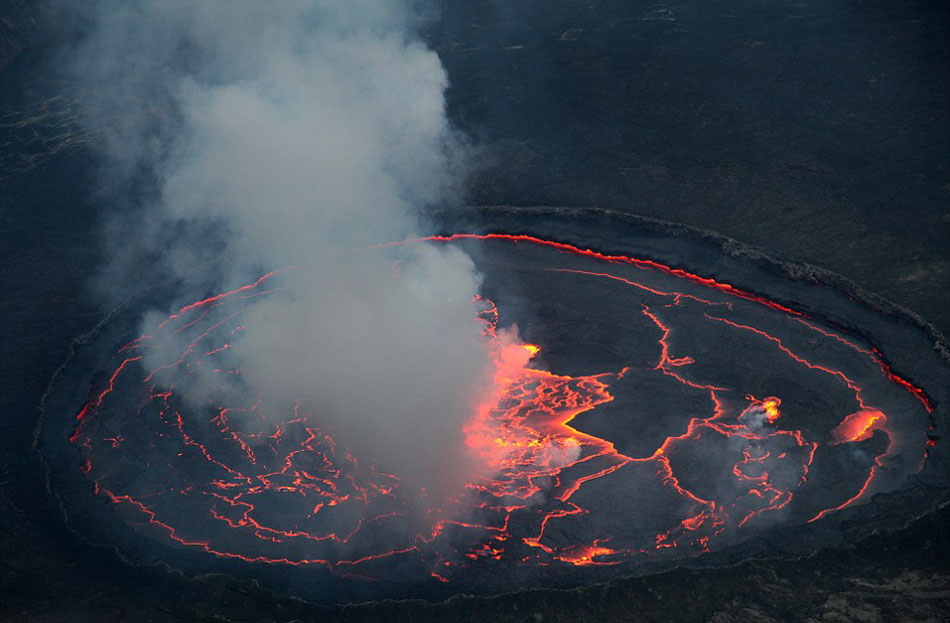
[243, 137]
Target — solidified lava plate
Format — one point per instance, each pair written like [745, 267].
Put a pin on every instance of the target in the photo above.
[678, 405]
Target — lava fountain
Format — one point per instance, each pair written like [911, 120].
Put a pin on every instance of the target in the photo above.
[649, 416]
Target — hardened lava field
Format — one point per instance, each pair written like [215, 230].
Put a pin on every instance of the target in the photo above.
[660, 416]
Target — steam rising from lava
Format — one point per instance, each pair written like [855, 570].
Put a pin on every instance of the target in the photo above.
[264, 135]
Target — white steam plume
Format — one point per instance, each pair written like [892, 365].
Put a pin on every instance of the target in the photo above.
[296, 133]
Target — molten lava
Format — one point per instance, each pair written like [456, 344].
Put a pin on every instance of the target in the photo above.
[859, 425]
[238, 481]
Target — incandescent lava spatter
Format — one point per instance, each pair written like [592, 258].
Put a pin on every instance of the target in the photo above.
[669, 403]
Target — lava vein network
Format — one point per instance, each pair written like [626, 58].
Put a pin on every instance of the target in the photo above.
[717, 414]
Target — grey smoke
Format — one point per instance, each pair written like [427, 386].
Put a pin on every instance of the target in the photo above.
[297, 133]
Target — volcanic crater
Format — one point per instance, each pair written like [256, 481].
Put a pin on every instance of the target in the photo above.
[675, 399]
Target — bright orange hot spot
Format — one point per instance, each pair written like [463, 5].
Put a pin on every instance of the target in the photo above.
[585, 555]
[520, 429]
[858, 426]
[771, 408]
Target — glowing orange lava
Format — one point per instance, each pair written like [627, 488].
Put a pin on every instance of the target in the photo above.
[859, 426]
